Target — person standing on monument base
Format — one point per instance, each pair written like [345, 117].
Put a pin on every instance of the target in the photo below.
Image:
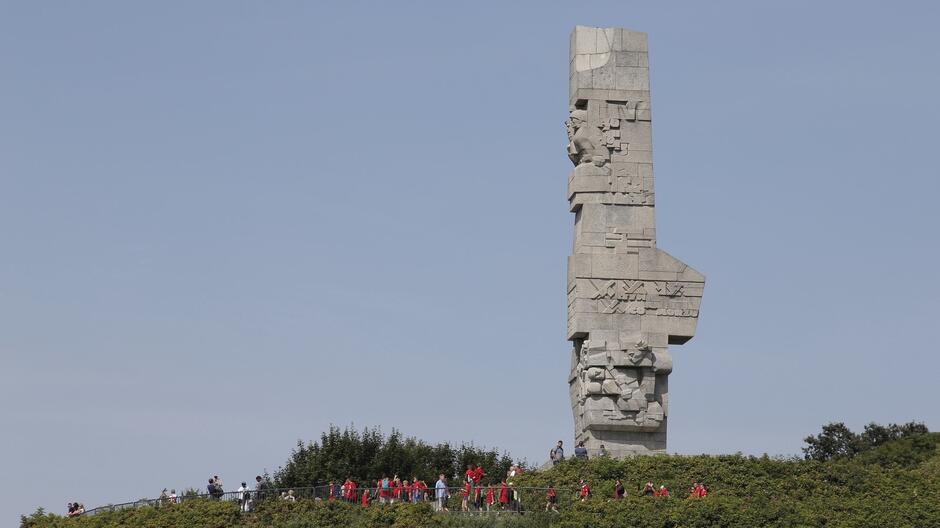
[580, 451]
[557, 455]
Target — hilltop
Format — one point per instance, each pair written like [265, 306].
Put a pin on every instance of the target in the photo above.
[896, 484]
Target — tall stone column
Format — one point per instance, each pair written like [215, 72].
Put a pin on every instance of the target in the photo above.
[628, 300]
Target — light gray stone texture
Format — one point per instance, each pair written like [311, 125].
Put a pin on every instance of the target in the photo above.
[628, 300]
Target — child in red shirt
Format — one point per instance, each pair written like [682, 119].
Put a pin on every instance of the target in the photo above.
[465, 496]
[551, 499]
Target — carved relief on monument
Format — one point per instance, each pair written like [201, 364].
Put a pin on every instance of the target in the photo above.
[599, 148]
[617, 388]
[636, 297]
[585, 143]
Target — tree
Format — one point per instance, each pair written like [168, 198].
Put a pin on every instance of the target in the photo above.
[838, 441]
[369, 455]
[835, 441]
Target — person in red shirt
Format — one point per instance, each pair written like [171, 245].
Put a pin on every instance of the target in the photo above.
[384, 487]
[469, 473]
[478, 474]
[490, 498]
[365, 498]
[551, 499]
[396, 490]
[663, 491]
[422, 490]
[503, 494]
[406, 491]
[585, 490]
[465, 496]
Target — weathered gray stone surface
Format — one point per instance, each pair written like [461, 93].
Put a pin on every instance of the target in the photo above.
[627, 299]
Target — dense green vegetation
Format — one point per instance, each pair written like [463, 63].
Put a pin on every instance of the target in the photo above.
[838, 441]
[369, 455]
[894, 484]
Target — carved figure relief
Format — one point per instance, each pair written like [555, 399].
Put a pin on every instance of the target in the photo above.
[619, 386]
[585, 143]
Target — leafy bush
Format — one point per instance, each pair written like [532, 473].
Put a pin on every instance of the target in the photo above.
[368, 455]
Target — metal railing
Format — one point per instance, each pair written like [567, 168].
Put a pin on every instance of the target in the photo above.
[480, 499]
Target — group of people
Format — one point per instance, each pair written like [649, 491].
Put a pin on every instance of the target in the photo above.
[168, 498]
[473, 493]
[649, 490]
[245, 496]
[215, 489]
[557, 454]
[698, 490]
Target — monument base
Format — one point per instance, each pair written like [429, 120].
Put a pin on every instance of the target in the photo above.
[621, 444]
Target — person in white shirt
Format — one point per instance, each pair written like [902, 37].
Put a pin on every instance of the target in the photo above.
[244, 496]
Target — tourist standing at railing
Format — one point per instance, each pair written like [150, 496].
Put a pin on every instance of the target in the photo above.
[465, 495]
[244, 497]
[173, 498]
[260, 488]
[419, 489]
[215, 491]
[440, 493]
[397, 489]
[406, 491]
[490, 497]
[365, 498]
[503, 495]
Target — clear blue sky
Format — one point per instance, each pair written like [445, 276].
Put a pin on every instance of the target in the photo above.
[226, 225]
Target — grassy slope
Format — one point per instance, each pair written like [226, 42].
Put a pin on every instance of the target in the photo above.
[896, 485]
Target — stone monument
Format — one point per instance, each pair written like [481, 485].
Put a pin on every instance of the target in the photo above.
[628, 300]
